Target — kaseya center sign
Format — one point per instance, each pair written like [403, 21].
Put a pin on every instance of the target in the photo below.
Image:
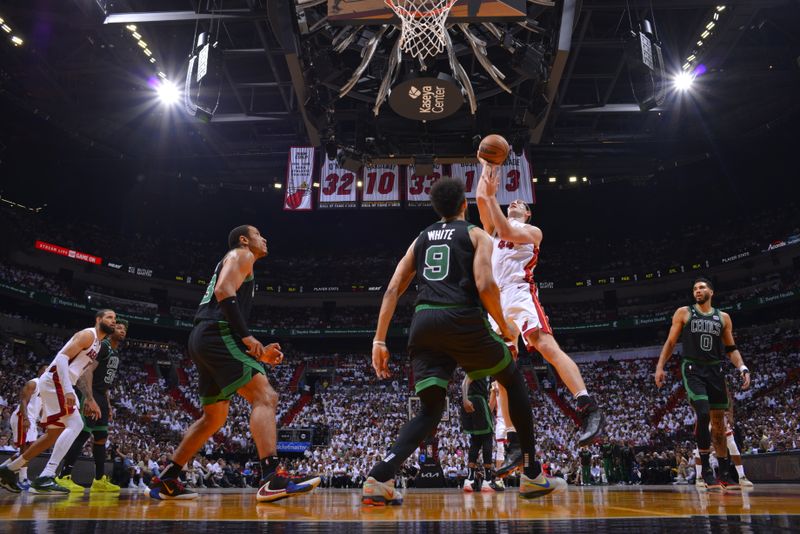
[426, 99]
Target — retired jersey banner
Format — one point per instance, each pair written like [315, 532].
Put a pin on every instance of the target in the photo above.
[337, 186]
[516, 181]
[470, 174]
[418, 188]
[299, 174]
[381, 187]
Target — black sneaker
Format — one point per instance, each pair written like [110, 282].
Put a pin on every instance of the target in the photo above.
[277, 487]
[513, 461]
[497, 485]
[47, 486]
[9, 480]
[712, 482]
[169, 489]
[592, 422]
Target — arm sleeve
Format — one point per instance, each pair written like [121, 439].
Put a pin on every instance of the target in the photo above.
[62, 368]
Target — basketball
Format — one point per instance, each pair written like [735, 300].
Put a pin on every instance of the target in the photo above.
[494, 149]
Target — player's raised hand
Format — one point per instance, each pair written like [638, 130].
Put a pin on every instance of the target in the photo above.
[490, 177]
[660, 377]
[272, 354]
[380, 360]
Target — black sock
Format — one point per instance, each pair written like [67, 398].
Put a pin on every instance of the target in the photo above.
[268, 466]
[519, 407]
[488, 472]
[585, 403]
[724, 467]
[173, 470]
[74, 451]
[470, 473]
[99, 453]
[513, 440]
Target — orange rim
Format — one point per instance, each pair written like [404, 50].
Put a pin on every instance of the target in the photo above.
[399, 10]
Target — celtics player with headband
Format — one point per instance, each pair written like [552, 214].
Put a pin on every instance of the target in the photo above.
[707, 336]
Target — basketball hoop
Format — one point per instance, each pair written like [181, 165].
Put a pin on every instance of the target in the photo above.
[422, 29]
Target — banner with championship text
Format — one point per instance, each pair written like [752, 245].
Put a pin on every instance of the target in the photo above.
[418, 188]
[337, 186]
[381, 187]
[516, 181]
[299, 174]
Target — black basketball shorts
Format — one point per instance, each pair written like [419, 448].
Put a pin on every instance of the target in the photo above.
[442, 337]
[479, 421]
[705, 382]
[222, 361]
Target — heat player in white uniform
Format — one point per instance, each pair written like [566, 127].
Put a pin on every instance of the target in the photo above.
[60, 418]
[514, 257]
[25, 417]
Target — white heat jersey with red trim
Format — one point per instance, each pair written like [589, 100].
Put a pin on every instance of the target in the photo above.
[513, 263]
[83, 359]
[34, 404]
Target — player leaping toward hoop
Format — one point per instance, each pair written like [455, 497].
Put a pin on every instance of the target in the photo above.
[514, 256]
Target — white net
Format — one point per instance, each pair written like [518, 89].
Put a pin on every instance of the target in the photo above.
[422, 25]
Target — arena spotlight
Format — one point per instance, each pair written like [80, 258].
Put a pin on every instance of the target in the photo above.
[167, 92]
[683, 81]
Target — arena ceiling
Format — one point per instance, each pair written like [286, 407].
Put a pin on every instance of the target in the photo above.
[81, 73]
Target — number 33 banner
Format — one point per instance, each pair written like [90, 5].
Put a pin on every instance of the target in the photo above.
[515, 179]
[337, 186]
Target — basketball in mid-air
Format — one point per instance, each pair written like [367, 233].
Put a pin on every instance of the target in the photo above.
[494, 149]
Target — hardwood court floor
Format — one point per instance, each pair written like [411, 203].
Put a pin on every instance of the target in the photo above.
[768, 508]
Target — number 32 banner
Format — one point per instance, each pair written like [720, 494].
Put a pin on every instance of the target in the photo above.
[337, 186]
[381, 187]
[515, 179]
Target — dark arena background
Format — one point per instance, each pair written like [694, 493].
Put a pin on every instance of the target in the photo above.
[655, 142]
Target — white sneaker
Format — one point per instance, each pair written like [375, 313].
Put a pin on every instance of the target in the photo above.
[486, 488]
[530, 488]
[141, 484]
[468, 485]
[131, 484]
[745, 482]
[699, 483]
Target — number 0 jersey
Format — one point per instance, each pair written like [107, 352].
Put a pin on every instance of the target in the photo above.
[444, 256]
[702, 336]
[513, 263]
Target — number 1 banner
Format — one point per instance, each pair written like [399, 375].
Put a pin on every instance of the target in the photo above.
[298, 179]
[381, 187]
[418, 188]
[337, 186]
[515, 179]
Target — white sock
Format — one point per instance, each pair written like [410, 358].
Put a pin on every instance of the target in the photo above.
[740, 471]
[733, 449]
[23, 473]
[581, 393]
[17, 463]
[74, 425]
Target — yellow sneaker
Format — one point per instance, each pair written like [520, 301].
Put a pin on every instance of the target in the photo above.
[104, 485]
[67, 482]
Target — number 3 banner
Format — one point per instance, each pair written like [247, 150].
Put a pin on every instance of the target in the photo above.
[418, 188]
[515, 179]
[381, 187]
[337, 186]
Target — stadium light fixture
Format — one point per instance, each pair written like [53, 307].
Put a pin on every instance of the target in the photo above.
[167, 92]
[552, 179]
[573, 179]
[16, 40]
[585, 179]
[683, 81]
[277, 185]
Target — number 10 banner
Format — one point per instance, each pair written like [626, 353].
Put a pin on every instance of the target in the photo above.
[381, 187]
[337, 186]
[515, 179]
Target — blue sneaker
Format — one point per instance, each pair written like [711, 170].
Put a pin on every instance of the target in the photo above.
[169, 489]
[25, 485]
[276, 487]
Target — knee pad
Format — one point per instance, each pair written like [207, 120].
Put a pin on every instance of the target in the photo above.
[100, 437]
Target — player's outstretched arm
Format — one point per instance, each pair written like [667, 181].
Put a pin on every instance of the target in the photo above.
[402, 277]
[733, 353]
[678, 321]
[484, 199]
[487, 188]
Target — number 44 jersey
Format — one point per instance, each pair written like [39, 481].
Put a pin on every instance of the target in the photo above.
[444, 256]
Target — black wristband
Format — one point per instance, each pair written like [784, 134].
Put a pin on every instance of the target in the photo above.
[730, 348]
[234, 317]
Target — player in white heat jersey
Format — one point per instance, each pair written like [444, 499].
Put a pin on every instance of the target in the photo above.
[60, 417]
[24, 420]
[515, 254]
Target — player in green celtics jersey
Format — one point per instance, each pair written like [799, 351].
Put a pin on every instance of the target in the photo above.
[707, 336]
[103, 377]
[228, 359]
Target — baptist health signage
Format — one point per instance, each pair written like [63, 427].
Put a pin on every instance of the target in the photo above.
[426, 99]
